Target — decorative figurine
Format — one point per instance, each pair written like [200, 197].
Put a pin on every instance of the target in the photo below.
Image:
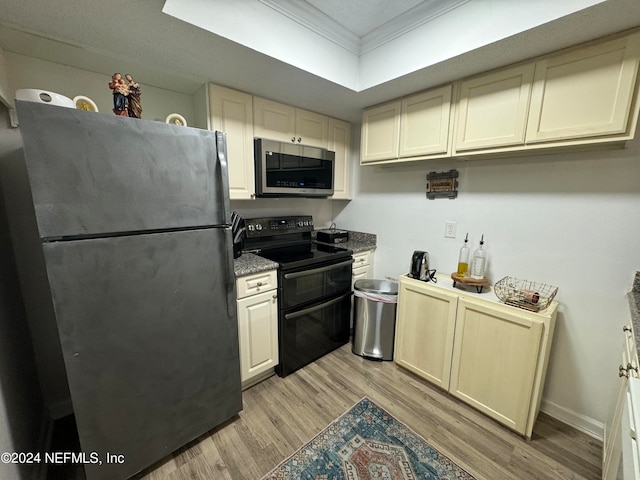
[134, 104]
[120, 92]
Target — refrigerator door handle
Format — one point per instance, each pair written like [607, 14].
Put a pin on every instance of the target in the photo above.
[231, 274]
[221, 147]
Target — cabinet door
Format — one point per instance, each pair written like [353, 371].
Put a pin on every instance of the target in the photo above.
[232, 112]
[273, 120]
[495, 356]
[612, 444]
[340, 142]
[258, 334]
[424, 331]
[424, 123]
[311, 129]
[492, 111]
[380, 132]
[585, 92]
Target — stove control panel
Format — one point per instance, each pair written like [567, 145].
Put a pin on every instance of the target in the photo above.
[267, 226]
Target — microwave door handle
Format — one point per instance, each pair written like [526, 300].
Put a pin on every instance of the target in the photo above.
[306, 311]
[289, 276]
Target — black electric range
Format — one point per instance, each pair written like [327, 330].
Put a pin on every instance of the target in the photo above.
[314, 288]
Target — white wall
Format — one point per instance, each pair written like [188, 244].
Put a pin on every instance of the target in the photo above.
[569, 220]
[453, 34]
[29, 72]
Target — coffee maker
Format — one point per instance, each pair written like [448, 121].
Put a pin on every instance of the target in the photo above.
[419, 268]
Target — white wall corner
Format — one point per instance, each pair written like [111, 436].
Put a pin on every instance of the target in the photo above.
[585, 424]
[5, 98]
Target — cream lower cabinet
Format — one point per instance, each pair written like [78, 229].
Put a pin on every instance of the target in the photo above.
[231, 112]
[617, 425]
[257, 326]
[425, 325]
[362, 266]
[492, 356]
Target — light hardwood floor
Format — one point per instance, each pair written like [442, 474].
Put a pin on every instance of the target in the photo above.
[282, 414]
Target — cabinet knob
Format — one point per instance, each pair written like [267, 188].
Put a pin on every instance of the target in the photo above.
[275, 296]
[293, 139]
[623, 372]
[259, 284]
[299, 139]
[631, 367]
[626, 328]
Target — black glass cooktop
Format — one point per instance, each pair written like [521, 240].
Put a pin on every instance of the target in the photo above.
[305, 255]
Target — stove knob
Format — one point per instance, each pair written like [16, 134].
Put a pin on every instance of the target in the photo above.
[258, 227]
[300, 223]
[251, 227]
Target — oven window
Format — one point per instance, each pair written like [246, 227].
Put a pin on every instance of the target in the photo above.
[310, 333]
[299, 288]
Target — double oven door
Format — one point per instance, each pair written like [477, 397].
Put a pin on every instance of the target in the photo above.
[314, 312]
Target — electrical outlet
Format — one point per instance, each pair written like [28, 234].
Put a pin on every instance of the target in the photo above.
[449, 229]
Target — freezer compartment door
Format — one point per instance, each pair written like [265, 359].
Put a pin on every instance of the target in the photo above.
[94, 174]
[149, 342]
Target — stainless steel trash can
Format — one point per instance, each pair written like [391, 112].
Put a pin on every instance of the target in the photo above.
[374, 318]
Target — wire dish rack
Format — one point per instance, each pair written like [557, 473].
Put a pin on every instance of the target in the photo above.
[525, 294]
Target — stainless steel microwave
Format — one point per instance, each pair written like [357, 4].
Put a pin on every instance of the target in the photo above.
[290, 170]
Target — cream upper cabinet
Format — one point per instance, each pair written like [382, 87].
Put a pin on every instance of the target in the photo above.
[231, 111]
[380, 132]
[425, 327]
[424, 123]
[492, 356]
[492, 109]
[340, 143]
[285, 123]
[581, 96]
[495, 357]
[585, 92]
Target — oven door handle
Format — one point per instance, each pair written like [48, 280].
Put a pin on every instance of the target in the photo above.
[289, 276]
[306, 311]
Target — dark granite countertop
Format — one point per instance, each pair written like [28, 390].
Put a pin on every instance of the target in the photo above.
[358, 241]
[249, 263]
[634, 307]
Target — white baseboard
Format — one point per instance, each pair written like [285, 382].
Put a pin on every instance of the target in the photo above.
[580, 422]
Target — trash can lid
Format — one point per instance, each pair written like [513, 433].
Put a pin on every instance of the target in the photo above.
[376, 286]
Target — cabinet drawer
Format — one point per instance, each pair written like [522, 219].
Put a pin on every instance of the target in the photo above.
[361, 259]
[256, 283]
[631, 352]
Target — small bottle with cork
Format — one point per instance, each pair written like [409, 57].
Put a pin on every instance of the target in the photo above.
[463, 258]
[479, 262]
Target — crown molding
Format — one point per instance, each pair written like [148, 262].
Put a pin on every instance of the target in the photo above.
[413, 18]
[310, 17]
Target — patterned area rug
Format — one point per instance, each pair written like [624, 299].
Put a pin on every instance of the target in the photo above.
[367, 443]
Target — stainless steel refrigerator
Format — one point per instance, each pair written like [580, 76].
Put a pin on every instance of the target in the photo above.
[134, 225]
